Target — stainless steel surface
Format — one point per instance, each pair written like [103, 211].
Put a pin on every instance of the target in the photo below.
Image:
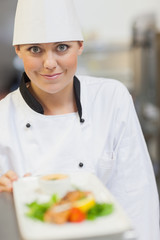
[8, 222]
[9, 228]
[146, 78]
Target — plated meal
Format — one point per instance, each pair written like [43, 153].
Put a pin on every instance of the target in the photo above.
[76, 206]
[80, 208]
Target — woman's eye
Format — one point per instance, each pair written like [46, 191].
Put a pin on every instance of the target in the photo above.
[35, 49]
[62, 47]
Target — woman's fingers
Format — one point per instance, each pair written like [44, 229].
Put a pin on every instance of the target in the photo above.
[27, 175]
[11, 175]
[6, 181]
[5, 184]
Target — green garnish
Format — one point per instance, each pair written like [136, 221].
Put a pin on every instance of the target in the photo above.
[99, 210]
[37, 210]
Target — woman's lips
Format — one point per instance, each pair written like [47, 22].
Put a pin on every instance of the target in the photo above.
[51, 76]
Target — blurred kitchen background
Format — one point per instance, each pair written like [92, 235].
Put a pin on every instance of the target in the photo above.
[122, 41]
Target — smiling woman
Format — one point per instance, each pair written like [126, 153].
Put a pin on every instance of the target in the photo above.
[51, 67]
[58, 123]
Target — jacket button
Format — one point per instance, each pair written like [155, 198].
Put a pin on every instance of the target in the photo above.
[81, 164]
[28, 125]
[82, 120]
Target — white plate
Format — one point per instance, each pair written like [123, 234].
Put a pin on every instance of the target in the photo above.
[26, 190]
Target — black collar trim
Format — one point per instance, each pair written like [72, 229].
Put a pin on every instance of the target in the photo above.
[36, 106]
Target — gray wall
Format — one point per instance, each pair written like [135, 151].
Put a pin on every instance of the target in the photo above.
[7, 72]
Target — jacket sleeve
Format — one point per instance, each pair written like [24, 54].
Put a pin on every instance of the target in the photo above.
[132, 181]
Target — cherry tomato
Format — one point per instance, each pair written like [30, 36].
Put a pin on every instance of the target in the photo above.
[76, 215]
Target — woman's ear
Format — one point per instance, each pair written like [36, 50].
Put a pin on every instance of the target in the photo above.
[17, 50]
[80, 50]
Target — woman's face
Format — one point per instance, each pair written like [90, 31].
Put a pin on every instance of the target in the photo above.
[50, 66]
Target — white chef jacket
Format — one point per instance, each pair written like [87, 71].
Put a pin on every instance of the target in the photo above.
[109, 143]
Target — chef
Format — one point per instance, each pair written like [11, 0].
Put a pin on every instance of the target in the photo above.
[57, 121]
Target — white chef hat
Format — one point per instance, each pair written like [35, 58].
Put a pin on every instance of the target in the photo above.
[42, 21]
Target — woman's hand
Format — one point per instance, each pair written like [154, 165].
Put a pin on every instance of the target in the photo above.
[6, 181]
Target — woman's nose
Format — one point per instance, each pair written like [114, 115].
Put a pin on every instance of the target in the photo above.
[50, 61]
